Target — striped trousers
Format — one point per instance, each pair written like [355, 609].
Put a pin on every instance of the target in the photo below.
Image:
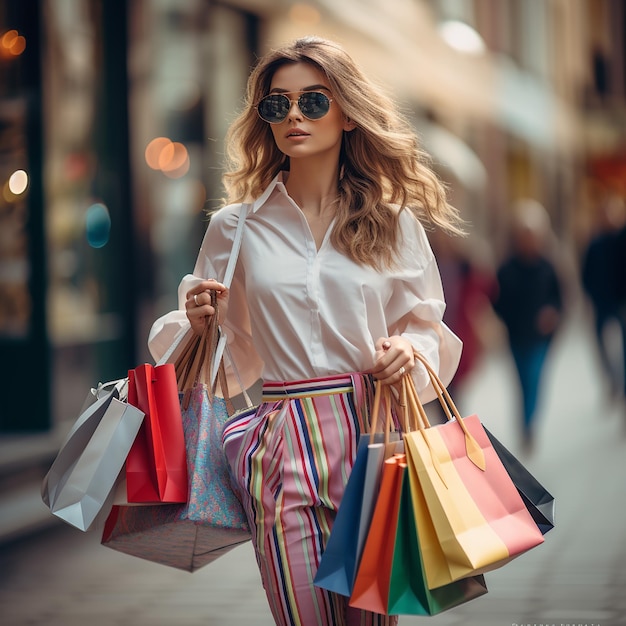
[291, 459]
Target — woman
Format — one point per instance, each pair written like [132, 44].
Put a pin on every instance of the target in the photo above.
[335, 285]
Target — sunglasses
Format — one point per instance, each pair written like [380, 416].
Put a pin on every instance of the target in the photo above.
[275, 107]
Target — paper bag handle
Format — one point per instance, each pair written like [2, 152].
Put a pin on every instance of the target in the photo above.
[382, 396]
[474, 451]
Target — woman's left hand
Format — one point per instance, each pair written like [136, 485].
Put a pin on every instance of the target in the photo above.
[393, 358]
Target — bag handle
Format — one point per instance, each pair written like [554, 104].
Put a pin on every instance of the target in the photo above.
[222, 344]
[474, 452]
[202, 357]
[244, 392]
[388, 397]
[228, 278]
[193, 364]
[421, 419]
[415, 414]
[119, 386]
[382, 396]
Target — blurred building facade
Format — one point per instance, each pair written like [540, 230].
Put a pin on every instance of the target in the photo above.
[115, 113]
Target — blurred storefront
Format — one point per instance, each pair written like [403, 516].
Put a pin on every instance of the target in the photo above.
[116, 111]
[24, 348]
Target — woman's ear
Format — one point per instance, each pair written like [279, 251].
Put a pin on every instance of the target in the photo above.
[349, 124]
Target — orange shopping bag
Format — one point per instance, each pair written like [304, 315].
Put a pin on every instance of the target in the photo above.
[371, 585]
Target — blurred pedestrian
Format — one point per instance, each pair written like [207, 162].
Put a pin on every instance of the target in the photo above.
[336, 285]
[600, 276]
[529, 301]
[620, 281]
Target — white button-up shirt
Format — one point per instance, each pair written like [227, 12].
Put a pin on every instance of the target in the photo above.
[296, 312]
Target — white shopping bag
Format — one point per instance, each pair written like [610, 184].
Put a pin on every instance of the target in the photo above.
[79, 486]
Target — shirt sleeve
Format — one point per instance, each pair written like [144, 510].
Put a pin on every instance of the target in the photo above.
[211, 263]
[416, 307]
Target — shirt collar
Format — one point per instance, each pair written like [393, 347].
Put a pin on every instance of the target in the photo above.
[277, 184]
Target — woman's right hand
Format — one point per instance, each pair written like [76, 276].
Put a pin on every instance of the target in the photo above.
[198, 303]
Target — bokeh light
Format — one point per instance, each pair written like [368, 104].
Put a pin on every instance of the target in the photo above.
[461, 37]
[18, 182]
[153, 150]
[12, 43]
[170, 157]
[97, 225]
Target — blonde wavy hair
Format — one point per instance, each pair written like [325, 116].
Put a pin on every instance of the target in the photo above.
[381, 164]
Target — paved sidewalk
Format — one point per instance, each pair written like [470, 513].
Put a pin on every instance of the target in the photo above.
[578, 576]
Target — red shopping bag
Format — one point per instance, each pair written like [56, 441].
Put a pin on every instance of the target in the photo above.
[156, 466]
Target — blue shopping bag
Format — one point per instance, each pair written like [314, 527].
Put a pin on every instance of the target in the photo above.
[340, 560]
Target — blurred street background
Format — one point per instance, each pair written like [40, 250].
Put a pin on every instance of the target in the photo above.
[112, 119]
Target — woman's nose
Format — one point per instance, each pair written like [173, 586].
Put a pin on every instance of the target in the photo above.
[294, 111]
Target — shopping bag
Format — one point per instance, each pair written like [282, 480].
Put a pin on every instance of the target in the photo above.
[380, 447]
[408, 591]
[79, 483]
[342, 552]
[212, 520]
[390, 578]
[478, 520]
[156, 467]
[538, 500]
[371, 584]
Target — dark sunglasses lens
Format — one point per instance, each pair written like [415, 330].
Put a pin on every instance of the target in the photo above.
[274, 108]
[314, 104]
